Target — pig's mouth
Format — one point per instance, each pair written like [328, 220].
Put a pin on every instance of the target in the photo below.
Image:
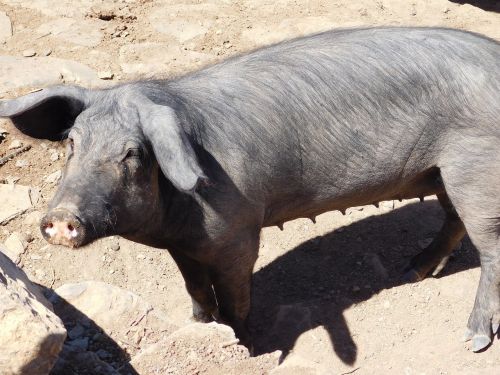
[62, 227]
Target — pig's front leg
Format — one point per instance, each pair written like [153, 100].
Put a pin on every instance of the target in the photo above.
[231, 276]
[199, 287]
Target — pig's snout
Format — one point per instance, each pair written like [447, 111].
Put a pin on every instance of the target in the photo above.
[62, 227]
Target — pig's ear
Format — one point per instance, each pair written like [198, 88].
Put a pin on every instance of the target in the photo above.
[171, 146]
[48, 113]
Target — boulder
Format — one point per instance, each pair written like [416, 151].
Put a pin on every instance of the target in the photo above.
[31, 335]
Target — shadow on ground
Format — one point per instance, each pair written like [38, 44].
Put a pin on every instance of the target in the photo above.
[92, 352]
[488, 5]
[315, 282]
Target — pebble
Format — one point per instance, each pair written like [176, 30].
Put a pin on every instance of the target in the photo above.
[115, 246]
[53, 177]
[21, 163]
[76, 332]
[47, 52]
[54, 156]
[105, 74]
[103, 354]
[82, 343]
[16, 143]
[29, 53]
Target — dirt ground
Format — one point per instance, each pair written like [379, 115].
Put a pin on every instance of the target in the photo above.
[328, 294]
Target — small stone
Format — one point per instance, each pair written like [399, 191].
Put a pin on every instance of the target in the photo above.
[81, 344]
[53, 177]
[76, 332]
[103, 354]
[141, 256]
[47, 52]
[40, 274]
[54, 156]
[33, 218]
[115, 246]
[5, 27]
[105, 75]
[111, 271]
[387, 304]
[22, 163]
[29, 53]
[15, 246]
[16, 143]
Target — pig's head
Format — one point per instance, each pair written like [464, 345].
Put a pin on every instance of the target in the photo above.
[118, 141]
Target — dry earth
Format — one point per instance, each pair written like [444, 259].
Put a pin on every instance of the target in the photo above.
[327, 295]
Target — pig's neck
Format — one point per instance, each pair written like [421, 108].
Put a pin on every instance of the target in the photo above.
[172, 224]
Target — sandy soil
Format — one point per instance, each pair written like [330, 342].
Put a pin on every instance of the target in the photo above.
[327, 295]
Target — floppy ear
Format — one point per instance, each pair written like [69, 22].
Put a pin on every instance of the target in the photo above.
[47, 113]
[171, 146]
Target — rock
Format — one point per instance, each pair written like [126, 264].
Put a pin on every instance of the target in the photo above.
[16, 199]
[209, 348]
[22, 163]
[121, 314]
[54, 156]
[16, 72]
[46, 52]
[15, 245]
[53, 177]
[114, 246]
[29, 53]
[81, 32]
[80, 344]
[16, 143]
[76, 332]
[33, 218]
[5, 27]
[105, 75]
[103, 354]
[32, 335]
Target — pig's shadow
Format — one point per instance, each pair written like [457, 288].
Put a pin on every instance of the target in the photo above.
[74, 359]
[315, 282]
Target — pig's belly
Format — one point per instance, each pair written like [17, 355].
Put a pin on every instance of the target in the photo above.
[309, 205]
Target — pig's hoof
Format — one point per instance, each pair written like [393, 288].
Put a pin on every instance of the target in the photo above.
[202, 317]
[411, 276]
[480, 342]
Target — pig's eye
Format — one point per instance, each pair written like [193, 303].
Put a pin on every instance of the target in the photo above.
[132, 153]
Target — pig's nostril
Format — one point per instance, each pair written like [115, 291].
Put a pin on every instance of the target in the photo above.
[49, 225]
[70, 227]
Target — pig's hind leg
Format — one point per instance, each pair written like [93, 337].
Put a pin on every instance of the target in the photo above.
[435, 256]
[473, 190]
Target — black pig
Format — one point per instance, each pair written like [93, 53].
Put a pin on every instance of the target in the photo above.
[200, 163]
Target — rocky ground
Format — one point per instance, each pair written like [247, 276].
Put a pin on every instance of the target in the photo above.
[327, 297]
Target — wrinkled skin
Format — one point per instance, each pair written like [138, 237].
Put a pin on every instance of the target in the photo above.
[199, 164]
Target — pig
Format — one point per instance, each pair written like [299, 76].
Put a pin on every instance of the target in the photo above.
[199, 163]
